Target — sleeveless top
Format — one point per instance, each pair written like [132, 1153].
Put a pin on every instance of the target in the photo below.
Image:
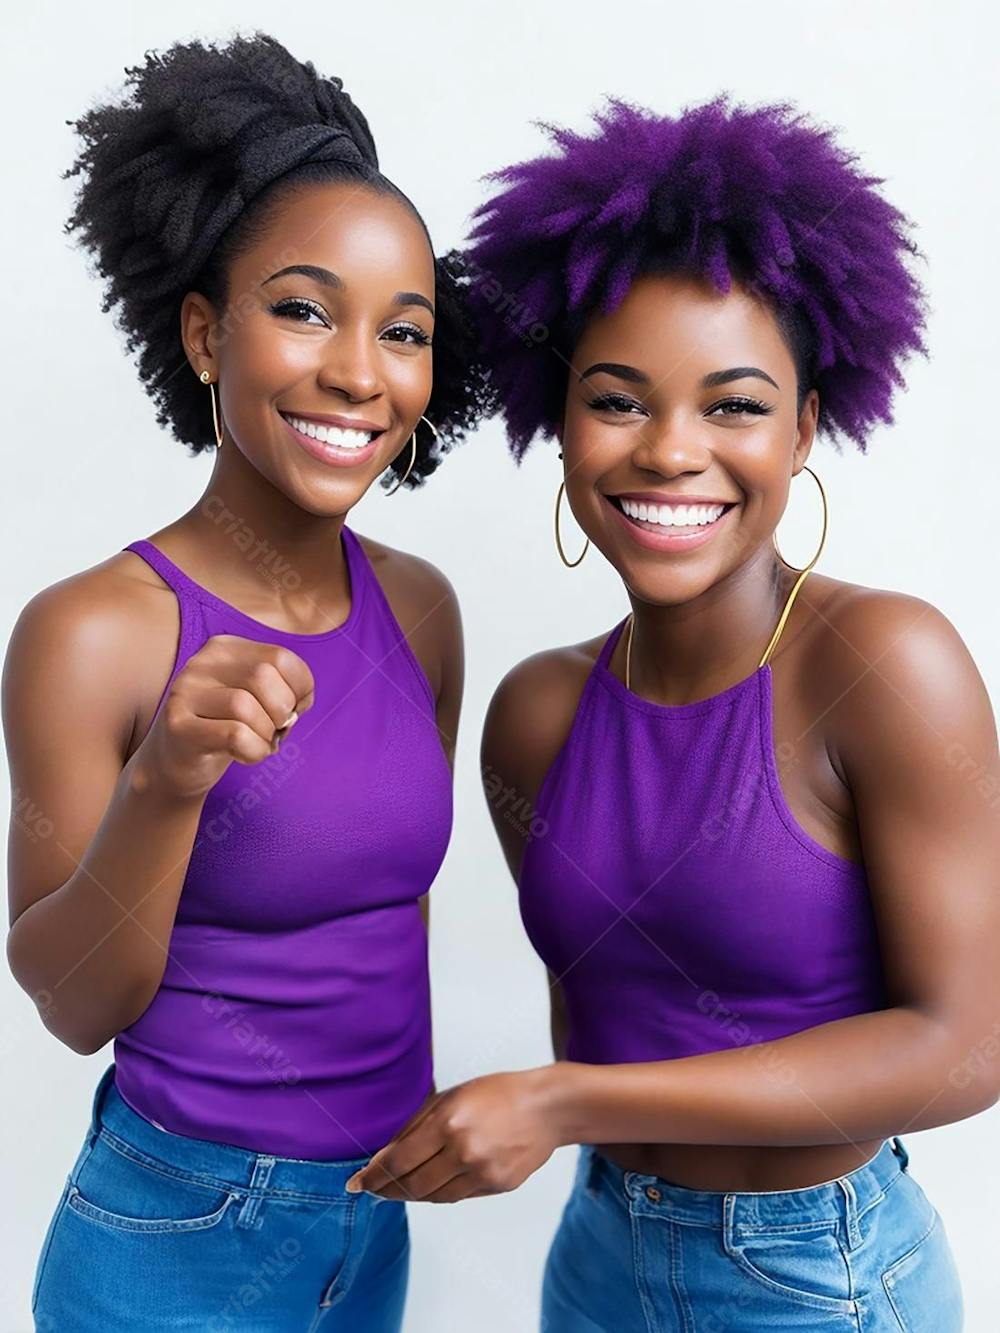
[670, 890]
[293, 1016]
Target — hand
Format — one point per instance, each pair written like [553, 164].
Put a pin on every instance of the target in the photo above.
[234, 699]
[482, 1137]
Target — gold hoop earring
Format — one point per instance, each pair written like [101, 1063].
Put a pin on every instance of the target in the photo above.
[570, 564]
[801, 572]
[206, 378]
[826, 511]
[413, 455]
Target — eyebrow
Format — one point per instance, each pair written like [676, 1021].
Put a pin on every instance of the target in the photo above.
[635, 376]
[327, 278]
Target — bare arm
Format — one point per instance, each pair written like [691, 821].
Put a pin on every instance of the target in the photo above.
[97, 853]
[527, 722]
[557, 1018]
[99, 845]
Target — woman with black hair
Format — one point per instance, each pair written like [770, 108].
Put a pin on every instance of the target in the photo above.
[239, 908]
[756, 867]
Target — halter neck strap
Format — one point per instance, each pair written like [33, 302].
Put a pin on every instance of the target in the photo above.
[784, 616]
[626, 626]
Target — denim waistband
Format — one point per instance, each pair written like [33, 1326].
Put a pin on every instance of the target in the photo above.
[221, 1164]
[844, 1199]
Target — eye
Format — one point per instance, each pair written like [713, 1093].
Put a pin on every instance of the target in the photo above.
[616, 402]
[292, 304]
[739, 405]
[409, 332]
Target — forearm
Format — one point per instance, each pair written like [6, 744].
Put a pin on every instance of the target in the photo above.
[864, 1077]
[92, 952]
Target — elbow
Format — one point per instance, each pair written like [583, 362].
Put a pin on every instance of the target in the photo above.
[974, 1093]
[84, 1044]
[83, 1038]
[102, 1025]
[973, 1076]
[81, 1022]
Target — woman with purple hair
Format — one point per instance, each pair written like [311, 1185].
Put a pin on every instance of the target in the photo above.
[765, 895]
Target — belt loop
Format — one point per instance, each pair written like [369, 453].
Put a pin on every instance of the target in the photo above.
[262, 1168]
[729, 1223]
[899, 1149]
[853, 1229]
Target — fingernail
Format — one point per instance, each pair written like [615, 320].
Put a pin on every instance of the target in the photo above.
[353, 1186]
[293, 717]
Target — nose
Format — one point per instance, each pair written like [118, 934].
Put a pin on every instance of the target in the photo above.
[672, 445]
[350, 365]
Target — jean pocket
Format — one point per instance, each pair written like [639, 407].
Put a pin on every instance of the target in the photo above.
[118, 1190]
[47, 1243]
[801, 1264]
[923, 1286]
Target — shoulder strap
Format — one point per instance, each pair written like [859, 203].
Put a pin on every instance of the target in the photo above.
[169, 572]
[784, 617]
[608, 647]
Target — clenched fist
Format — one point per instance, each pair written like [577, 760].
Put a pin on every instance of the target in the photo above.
[234, 699]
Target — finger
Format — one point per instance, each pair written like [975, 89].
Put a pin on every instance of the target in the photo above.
[433, 1175]
[280, 679]
[295, 672]
[398, 1158]
[225, 736]
[233, 703]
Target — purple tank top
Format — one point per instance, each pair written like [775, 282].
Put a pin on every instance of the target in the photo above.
[669, 888]
[293, 1017]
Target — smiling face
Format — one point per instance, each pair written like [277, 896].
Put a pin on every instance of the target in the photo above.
[682, 396]
[322, 358]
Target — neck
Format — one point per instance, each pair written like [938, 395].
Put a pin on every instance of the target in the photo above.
[689, 650]
[264, 549]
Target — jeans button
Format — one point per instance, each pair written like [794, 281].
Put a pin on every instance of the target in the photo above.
[653, 1194]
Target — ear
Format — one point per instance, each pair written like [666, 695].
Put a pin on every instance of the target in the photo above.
[198, 325]
[805, 434]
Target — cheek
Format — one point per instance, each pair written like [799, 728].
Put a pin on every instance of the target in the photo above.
[268, 359]
[409, 380]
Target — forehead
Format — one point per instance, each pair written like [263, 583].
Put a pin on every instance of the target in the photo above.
[683, 321]
[349, 228]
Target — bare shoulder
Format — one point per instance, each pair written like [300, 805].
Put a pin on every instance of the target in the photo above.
[82, 642]
[531, 713]
[886, 661]
[92, 612]
[869, 628]
[415, 587]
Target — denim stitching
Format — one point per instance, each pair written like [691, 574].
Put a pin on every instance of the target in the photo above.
[210, 1182]
[639, 1267]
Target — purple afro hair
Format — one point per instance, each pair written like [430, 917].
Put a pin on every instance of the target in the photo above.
[759, 195]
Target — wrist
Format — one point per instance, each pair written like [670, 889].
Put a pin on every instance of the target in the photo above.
[145, 780]
[562, 1091]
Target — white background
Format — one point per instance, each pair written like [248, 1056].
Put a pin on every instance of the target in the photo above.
[450, 90]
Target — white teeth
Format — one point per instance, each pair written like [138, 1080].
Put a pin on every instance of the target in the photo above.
[336, 435]
[673, 516]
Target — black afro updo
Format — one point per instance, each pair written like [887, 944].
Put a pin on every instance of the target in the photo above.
[186, 172]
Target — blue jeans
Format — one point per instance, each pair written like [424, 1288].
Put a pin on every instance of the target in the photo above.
[159, 1231]
[865, 1253]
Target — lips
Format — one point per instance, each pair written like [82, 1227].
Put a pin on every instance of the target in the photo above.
[667, 537]
[342, 447]
[334, 419]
